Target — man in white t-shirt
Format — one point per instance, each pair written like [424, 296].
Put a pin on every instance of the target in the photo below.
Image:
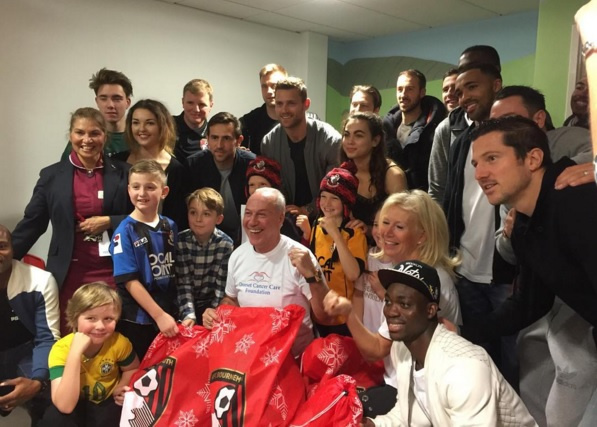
[272, 270]
[442, 378]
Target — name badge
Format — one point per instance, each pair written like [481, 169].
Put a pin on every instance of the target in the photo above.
[104, 245]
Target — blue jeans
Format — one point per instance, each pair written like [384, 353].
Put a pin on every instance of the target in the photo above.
[480, 299]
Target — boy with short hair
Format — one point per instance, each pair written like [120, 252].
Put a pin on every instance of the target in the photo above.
[202, 256]
[113, 92]
[90, 368]
[143, 250]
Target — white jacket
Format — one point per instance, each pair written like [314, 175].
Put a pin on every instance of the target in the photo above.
[464, 388]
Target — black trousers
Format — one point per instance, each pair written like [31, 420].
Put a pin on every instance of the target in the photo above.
[140, 336]
[86, 414]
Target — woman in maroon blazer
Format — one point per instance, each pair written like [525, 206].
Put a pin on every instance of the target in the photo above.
[84, 197]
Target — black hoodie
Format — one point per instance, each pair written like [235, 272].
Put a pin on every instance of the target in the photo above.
[414, 157]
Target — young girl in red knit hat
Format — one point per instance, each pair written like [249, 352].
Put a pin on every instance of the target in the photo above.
[341, 251]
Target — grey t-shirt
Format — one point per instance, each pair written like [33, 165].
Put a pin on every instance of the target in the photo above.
[402, 133]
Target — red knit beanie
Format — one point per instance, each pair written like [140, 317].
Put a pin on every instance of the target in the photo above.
[342, 183]
[266, 168]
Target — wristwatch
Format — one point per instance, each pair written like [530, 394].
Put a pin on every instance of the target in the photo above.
[316, 278]
[588, 48]
[44, 383]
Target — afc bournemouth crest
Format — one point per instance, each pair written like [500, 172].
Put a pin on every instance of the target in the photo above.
[228, 387]
[334, 180]
[154, 387]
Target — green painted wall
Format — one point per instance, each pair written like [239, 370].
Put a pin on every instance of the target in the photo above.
[556, 18]
[547, 69]
[519, 72]
[336, 103]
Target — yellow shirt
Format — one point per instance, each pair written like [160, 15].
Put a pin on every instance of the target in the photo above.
[101, 373]
[324, 250]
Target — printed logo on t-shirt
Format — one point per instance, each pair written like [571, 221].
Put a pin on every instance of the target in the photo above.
[370, 293]
[141, 241]
[259, 283]
[106, 367]
[259, 276]
[162, 265]
[117, 244]
[327, 267]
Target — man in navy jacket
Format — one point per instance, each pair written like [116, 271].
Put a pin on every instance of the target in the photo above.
[223, 167]
[29, 319]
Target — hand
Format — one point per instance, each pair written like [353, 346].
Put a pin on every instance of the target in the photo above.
[297, 210]
[210, 316]
[585, 21]
[95, 225]
[189, 323]
[576, 175]
[302, 222]
[167, 324]
[375, 284]
[25, 390]
[300, 258]
[366, 422]
[330, 227]
[118, 393]
[509, 223]
[357, 223]
[80, 343]
[335, 305]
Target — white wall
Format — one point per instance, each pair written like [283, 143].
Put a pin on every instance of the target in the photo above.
[50, 48]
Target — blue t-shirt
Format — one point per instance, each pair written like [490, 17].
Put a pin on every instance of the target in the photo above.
[145, 253]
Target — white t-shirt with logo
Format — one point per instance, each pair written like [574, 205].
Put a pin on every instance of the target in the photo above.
[372, 304]
[270, 280]
[373, 310]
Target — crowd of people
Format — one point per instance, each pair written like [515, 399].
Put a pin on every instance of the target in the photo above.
[450, 239]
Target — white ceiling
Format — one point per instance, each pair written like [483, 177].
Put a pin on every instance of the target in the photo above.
[350, 20]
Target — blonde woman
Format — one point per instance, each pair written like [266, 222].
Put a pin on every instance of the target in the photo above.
[412, 227]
